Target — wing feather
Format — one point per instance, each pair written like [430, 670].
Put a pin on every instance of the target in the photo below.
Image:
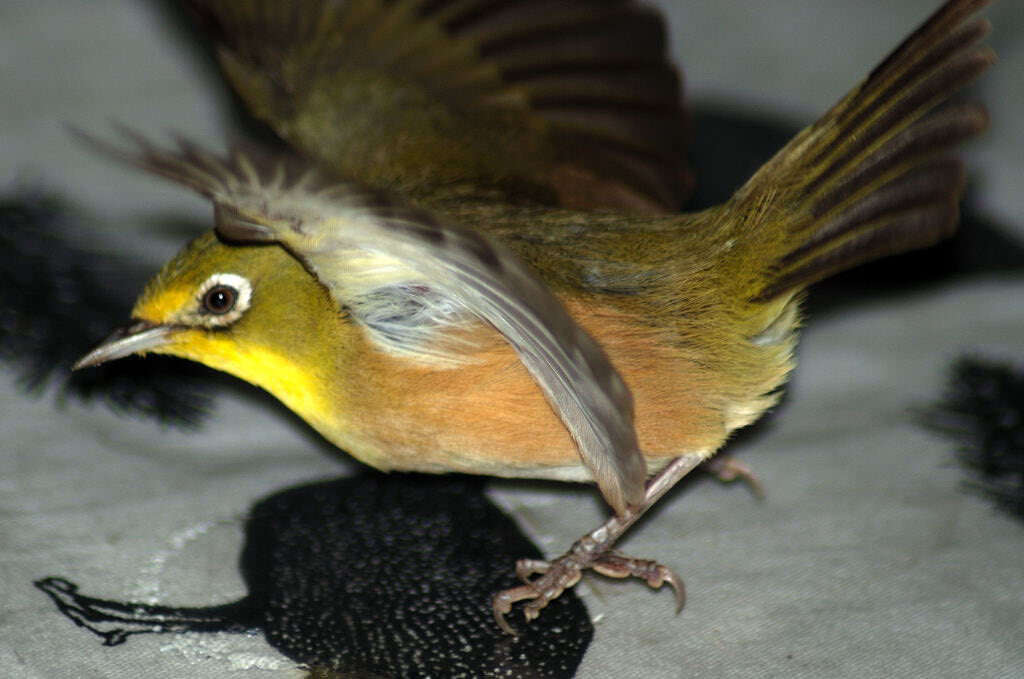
[570, 102]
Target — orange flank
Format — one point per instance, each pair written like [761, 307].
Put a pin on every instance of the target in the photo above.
[488, 416]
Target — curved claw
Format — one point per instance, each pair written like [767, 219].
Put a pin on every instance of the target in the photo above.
[502, 602]
[678, 588]
[663, 574]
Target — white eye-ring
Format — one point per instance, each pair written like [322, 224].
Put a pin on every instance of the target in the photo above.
[223, 298]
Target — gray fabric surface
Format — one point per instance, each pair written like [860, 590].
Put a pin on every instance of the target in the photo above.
[866, 559]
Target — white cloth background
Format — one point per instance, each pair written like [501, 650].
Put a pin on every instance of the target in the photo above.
[866, 560]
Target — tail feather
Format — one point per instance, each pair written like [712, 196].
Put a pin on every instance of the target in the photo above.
[910, 213]
[940, 131]
[873, 176]
[892, 111]
[927, 185]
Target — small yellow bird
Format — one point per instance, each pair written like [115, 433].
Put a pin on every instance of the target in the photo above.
[476, 265]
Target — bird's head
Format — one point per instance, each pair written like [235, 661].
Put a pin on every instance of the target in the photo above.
[250, 310]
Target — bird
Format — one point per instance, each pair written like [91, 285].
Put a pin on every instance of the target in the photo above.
[470, 257]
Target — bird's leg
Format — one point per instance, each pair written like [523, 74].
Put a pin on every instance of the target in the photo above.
[594, 551]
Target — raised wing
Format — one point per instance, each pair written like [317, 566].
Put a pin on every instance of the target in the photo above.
[411, 279]
[567, 102]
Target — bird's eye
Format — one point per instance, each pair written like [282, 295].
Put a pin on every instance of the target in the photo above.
[220, 299]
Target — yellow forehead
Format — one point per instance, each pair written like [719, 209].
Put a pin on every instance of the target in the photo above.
[162, 305]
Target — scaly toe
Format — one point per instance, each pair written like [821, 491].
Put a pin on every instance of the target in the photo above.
[618, 565]
[559, 575]
[527, 568]
[555, 577]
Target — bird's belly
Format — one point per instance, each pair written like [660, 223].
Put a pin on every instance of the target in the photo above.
[490, 417]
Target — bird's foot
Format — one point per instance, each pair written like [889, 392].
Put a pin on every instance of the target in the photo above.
[594, 551]
[554, 577]
[727, 469]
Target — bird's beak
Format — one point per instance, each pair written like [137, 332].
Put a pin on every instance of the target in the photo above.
[138, 336]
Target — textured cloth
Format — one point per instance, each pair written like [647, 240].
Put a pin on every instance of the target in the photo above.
[865, 560]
